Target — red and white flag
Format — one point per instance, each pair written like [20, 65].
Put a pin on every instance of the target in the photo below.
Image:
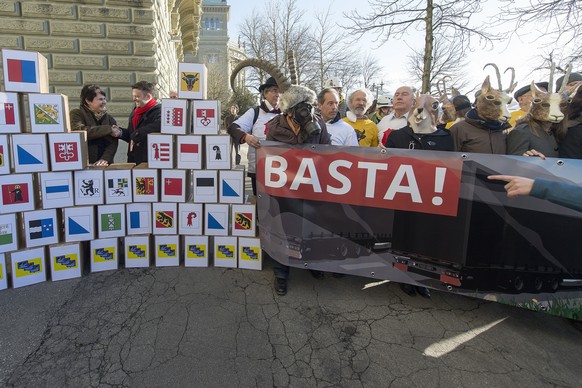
[189, 152]
[174, 116]
[173, 186]
[66, 152]
[161, 152]
[205, 117]
[7, 116]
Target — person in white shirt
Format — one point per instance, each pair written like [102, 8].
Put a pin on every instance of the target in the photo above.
[341, 132]
[403, 101]
[251, 127]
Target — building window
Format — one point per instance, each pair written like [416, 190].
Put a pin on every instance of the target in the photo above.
[212, 58]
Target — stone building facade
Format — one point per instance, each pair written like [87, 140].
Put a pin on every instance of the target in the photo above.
[112, 43]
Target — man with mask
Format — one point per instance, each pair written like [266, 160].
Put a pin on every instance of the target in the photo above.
[250, 128]
[366, 131]
[297, 125]
[145, 118]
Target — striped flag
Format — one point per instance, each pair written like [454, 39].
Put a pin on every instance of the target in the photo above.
[57, 188]
[189, 152]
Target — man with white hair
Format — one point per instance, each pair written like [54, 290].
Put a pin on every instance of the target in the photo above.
[341, 132]
[366, 131]
[398, 118]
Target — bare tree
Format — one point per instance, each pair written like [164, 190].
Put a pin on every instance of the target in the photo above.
[450, 19]
[371, 69]
[558, 20]
[447, 62]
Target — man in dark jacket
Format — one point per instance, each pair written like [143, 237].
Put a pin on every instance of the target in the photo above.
[296, 125]
[145, 118]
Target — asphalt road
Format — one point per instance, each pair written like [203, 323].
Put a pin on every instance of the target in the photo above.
[212, 327]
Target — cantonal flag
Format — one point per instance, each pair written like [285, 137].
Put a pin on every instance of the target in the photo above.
[205, 113]
[189, 152]
[6, 236]
[21, 70]
[15, 193]
[7, 113]
[173, 186]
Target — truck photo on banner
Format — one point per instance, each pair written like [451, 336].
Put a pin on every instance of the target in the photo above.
[425, 218]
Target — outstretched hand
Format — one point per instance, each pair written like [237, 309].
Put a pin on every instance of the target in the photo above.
[516, 185]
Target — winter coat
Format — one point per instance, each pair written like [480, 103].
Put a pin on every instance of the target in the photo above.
[477, 135]
[151, 122]
[101, 145]
[522, 139]
[439, 140]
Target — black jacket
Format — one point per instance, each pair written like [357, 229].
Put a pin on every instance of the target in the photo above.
[439, 140]
[151, 122]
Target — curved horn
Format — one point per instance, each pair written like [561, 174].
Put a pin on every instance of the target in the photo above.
[566, 77]
[511, 86]
[445, 86]
[551, 83]
[496, 72]
[266, 66]
[292, 67]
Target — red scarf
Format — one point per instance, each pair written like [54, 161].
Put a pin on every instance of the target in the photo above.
[138, 112]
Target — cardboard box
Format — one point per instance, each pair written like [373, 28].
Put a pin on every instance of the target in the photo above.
[28, 267]
[10, 114]
[17, 193]
[192, 80]
[190, 216]
[231, 186]
[79, 223]
[225, 252]
[56, 189]
[30, 152]
[139, 218]
[49, 113]
[104, 254]
[145, 183]
[3, 272]
[243, 220]
[118, 187]
[89, 187]
[250, 255]
[160, 151]
[167, 251]
[25, 71]
[189, 152]
[218, 152]
[164, 218]
[216, 219]
[68, 151]
[173, 185]
[196, 251]
[205, 117]
[175, 118]
[205, 186]
[8, 233]
[66, 261]
[41, 227]
[137, 251]
[111, 221]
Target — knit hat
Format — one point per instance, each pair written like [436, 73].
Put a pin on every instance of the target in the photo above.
[295, 95]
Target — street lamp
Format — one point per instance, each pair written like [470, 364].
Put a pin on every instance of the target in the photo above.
[377, 88]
